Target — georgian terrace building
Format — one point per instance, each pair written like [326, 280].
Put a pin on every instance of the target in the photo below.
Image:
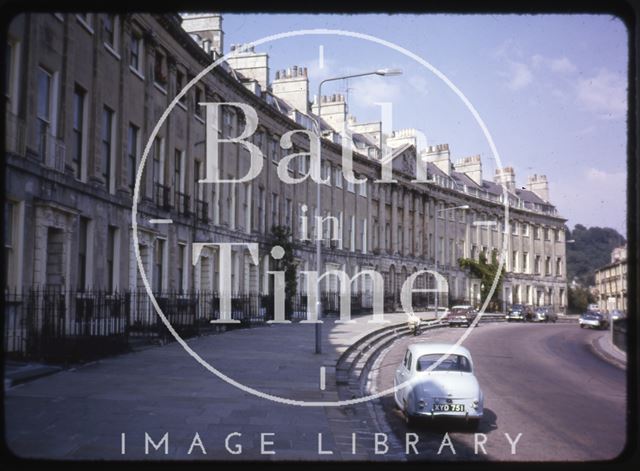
[611, 282]
[84, 93]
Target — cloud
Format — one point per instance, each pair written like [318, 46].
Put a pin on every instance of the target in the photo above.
[519, 76]
[561, 65]
[605, 94]
[367, 91]
[601, 176]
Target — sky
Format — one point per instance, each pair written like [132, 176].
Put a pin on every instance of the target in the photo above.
[551, 89]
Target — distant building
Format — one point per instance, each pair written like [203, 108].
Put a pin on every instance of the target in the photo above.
[611, 282]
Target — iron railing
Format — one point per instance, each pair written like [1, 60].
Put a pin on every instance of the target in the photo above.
[66, 326]
[163, 196]
[183, 201]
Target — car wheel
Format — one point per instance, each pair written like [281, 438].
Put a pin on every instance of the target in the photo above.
[409, 419]
[473, 424]
[582, 326]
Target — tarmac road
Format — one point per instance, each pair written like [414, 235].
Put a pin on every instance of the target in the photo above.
[540, 380]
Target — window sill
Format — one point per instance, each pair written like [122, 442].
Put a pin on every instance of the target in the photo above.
[136, 72]
[84, 24]
[160, 88]
[112, 51]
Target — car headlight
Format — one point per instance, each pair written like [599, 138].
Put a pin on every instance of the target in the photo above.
[421, 404]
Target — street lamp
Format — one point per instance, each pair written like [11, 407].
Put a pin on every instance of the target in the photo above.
[381, 72]
[438, 211]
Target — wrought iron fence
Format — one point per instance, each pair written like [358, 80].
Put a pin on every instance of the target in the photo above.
[63, 326]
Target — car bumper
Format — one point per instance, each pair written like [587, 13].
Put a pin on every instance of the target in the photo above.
[514, 318]
[590, 323]
[471, 414]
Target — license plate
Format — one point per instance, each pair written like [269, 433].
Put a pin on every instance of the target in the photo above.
[448, 408]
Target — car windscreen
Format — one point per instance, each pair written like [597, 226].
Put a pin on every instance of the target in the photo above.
[450, 363]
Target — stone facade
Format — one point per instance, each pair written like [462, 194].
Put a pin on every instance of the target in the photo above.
[86, 91]
[611, 282]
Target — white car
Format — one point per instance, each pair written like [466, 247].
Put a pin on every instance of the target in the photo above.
[449, 389]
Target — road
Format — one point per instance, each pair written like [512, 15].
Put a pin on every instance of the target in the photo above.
[540, 380]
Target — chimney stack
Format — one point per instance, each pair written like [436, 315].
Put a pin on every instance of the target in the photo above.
[440, 156]
[292, 85]
[206, 25]
[253, 65]
[334, 110]
[471, 167]
[506, 176]
[539, 185]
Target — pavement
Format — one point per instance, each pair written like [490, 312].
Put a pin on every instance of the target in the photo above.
[83, 412]
[603, 347]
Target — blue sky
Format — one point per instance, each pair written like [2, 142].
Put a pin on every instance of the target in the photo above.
[550, 88]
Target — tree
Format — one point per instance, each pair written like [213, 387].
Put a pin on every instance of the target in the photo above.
[486, 272]
[579, 299]
[590, 250]
[282, 236]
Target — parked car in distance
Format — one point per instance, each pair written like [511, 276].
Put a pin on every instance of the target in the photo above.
[516, 313]
[594, 320]
[436, 380]
[544, 314]
[461, 315]
[615, 315]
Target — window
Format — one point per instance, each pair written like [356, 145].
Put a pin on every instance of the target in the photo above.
[547, 266]
[261, 211]
[525, 262]
[197, 98]
[287, 212]
[77, 143]
[274, 210]
[107, 144]
[257, 140]
[160, 69]
[111, 26]
[536, 232]
[525, 229]
[158, 160]
[132, 154]
[514, 261]
[247, 208]
[83, 236]
[363, 189]
[547, 234]
[136, 53]
[450, 363]
[559, 266]
[44, 110]
[337, 175]
[350, 186]
[179, 86]
[9, 241]
[112, 244]
[514, 228]
[273, 149]
[12, 75]
[537, 265]
[178, 172]
[158, 258]
[181, 264]
[556, 233]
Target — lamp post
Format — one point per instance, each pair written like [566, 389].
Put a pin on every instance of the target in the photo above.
[381, 72]
[443, 210]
